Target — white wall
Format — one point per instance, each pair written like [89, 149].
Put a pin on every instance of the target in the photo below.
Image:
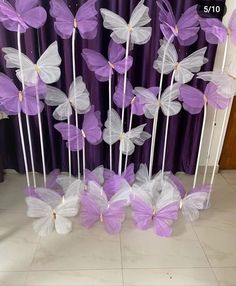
[231, 5]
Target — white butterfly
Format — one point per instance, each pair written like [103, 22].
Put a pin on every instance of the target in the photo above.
[71, 186]
[192, 203]
[184, 69]
[121, 30]
[46, 67]
[78, 99]
[226, 82]
[52, 217]
[113, 133]
[167, 101]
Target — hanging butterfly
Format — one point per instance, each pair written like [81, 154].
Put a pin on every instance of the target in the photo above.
[52, 217]
[91, 131]
[159, 210]
[46, 69]
[185, 29]
[113, 133]
[15, 101]
[78, 99]
[193, 99]
[168, 103]
[226, 81]
[25, 14]
[185, 69]
[216, 32]
[95, 206]
[128, 174]
[135, 30]
[85, 19]
[194, 201]
[102, 67]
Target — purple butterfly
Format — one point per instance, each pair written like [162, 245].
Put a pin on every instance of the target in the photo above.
[95, 206]
[161, 215]
[15, 101]
[185, 29]
[102, 67]
[193, 99]
[96, 175]
[128, 174]
[216, 32]
[118, 95]
[91, 131]
[25, 14]
[85, 19]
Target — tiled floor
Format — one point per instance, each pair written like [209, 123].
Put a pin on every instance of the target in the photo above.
[198, 254]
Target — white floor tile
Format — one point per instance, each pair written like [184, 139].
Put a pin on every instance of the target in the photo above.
[12, 278]
[169, 277]
[226, 276]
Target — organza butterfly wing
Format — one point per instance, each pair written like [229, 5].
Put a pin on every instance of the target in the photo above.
[214, 98]
[89, 211]
[64, 19]
[86, 19]
[193, 99]
[71, 134]
[91, 127]
[232, 27]
[113, 128]
[169, 105]
[97, 63]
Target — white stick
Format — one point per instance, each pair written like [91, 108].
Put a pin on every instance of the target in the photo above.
[26, 115]
[84, 160]
[130, 126]
[167, 129]
[74, 82]
[154, 128]
[69, 149]
[200, 145]
[41, 135]
[123, 100]
[214, 117]
[23, 149]
[110, 103]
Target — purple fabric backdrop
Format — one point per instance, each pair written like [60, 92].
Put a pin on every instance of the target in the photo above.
[184, 130]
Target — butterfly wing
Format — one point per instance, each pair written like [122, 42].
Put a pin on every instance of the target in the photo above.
[190, 65]
[192, 204]
[52, 198]
[86, 18]
[64, 19]
[215, 99]
[79, 96]
[97, 63]
[48, 64]
[188, 26]
[193, 99]
[113, 218]
[71, 134]
[116, 52]
[129, 175]
[118, 95]
[89, 211]
[113, 128]
[138, 136]
[117, 24]
[215, 31]
[171, 58]
[92, 127]
[169, 105]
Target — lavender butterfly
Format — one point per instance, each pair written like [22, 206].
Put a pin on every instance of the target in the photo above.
[91, 131]
[184, 69]
[25, 14]
[45, 69]
[104, 68]
[134, 30]
[216, 32]
[193, 99]
[158, 210]
[185, 29]
[78, 99]
[95, 206]
[15, 101]
[85, 19]
[113, 133]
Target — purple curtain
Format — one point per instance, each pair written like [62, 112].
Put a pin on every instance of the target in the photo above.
[185, 129]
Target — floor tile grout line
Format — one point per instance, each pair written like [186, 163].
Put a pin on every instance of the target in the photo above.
[208, 260]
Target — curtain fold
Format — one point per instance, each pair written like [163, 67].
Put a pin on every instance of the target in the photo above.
[184, 131]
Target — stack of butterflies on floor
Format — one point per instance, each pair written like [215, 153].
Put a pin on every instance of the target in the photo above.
[104, 196]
